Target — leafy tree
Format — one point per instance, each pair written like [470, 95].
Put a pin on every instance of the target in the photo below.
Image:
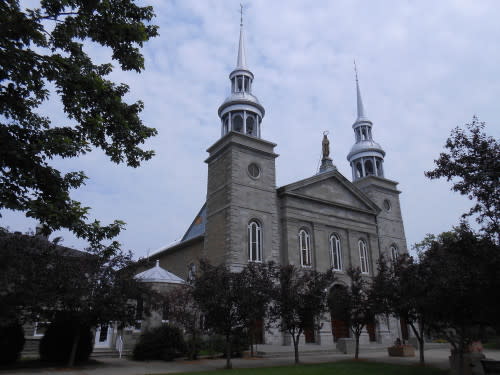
[300, 301]
[472, 161]
[255, 284]
[462, 274]
[401, 290]
[353, 304]
[40, 279]
[184, 311]
[42, 55]
[217, 294]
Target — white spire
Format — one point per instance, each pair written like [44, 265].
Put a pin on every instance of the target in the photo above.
[241, 63]
[361, 108]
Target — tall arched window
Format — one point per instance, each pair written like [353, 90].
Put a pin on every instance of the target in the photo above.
[336, 252]
[363, 256]
[254, 241]
[305, 248]
[394, 253]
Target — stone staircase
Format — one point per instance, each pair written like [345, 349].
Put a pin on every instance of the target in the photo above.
[108, 353]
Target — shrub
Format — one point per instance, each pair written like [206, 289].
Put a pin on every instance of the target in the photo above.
[11, 342]
[165, 342]
[217, 344]
[57, 342]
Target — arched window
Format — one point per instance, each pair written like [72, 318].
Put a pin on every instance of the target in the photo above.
[250, 125]
[305, 248]
[363, 256]
[226, 125]
[369, 167]
[239, 81]
[254, 241]
[336, 252]
[394, 253]
[238, 123]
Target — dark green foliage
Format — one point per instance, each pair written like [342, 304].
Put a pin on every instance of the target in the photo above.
[472, 162]
[11, 342]
[216, 344]
[57, 343]
[464, 279]
[184, 311]
[42, 55]
[165, 342]
[354, 304]
[299, 300]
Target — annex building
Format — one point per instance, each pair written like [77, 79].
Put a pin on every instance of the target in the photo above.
[323, 221]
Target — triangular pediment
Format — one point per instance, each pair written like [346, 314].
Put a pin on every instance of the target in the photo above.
[333, 188]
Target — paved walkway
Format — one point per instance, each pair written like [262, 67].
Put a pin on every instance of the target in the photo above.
[116, 366]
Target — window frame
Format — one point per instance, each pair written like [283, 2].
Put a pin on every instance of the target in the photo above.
[363, 257]
[394, 252]
[305, 251]
[336, 252]
[257, 241]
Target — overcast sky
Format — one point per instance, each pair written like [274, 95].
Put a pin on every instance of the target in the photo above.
[424, 68]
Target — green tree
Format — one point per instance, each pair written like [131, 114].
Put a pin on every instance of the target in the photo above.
[42, 55]
[40, 279]
[256, 283]
[299, 301]
[353, 304]
[472, 162]
[462, 274]
[183, 310]
[216, 291]
[401, 290]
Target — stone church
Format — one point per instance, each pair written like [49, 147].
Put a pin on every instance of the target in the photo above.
[323, 221]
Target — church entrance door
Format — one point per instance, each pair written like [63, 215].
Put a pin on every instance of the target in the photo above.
[340, 329]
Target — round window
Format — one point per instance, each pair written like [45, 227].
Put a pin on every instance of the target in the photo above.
[387, 205]
[254, 170]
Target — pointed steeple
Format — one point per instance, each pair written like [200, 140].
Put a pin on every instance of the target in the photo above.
[241, 63]
[241, 112]
[366, 156]
[361, 108]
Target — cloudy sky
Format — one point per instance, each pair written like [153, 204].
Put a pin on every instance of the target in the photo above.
[424, 68]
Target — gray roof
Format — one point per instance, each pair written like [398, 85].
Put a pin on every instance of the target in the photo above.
[197, 227]
[158, 275]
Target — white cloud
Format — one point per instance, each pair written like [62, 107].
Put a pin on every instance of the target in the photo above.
[425, 67]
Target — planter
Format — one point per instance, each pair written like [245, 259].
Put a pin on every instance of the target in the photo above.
[401, 351]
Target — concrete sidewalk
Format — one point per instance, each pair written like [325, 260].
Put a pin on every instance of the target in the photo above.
[116, 366]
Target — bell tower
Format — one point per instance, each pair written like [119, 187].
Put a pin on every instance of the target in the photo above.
[242, 218]
[366, 158]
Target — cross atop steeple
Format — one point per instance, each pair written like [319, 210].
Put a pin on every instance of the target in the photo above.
[241, 15]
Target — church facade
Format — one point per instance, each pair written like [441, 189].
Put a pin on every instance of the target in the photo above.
[321, 222]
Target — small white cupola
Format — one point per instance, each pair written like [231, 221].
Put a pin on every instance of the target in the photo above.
[241, 111]
[366, 156]
[158, 275]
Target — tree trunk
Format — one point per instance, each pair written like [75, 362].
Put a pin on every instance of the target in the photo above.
[228, 352]
[420, 337]
[421, 350]
[252, 339]
[74, 346]
[356, 352]
[296, 347]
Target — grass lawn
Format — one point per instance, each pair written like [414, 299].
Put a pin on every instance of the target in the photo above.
[337, 368]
